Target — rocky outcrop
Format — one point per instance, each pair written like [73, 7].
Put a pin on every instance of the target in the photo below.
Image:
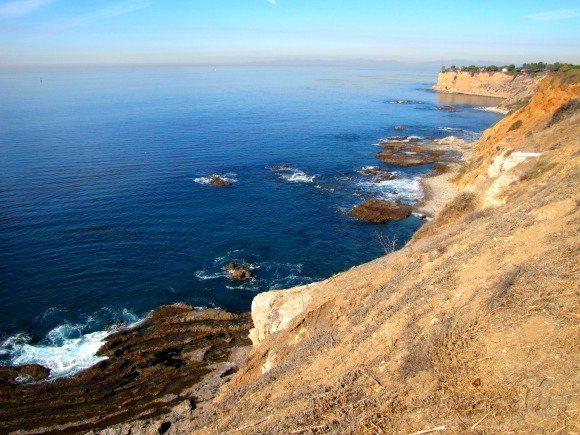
[491, 84]
[281, 167]
[378, 211]
[238, 272]
[412, 154]
[216, 180]
[170, 364]
[274, 310]
[373, 170]
[385, 177]
[23, 374]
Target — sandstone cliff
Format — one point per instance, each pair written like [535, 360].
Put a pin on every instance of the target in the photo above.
[489, 84]
[471, 327]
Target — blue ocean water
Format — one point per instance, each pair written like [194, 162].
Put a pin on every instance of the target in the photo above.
[104, 210]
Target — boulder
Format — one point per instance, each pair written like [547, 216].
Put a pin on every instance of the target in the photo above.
[378, 211]
[373, 170]
[230, 266]
[25, 373]
[238, 272]
[411, 154]
[448, 108]
[385, 177]
[216, 180]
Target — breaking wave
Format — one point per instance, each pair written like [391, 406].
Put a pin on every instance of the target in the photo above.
[207, 180]
[66, 349]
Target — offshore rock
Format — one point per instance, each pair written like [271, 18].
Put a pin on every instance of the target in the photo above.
[412, 154]
[238, 272]
[378, 211]
[373, 170]
[176, 355]
[216, 180]
[385, 177]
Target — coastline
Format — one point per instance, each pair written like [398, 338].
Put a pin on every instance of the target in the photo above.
[437, 191]
[495, 109]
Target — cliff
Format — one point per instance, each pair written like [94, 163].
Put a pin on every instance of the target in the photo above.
[471, 327]
[489, 84]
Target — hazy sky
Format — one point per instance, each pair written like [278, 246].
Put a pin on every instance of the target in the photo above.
[221, 31]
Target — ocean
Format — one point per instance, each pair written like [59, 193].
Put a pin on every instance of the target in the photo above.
[105, 210]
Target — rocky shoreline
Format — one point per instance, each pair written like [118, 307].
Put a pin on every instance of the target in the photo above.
[157, 372]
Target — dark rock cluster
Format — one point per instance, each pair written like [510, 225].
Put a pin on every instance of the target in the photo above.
[176, 358]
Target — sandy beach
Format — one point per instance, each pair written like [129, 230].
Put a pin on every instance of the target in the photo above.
[439, 189]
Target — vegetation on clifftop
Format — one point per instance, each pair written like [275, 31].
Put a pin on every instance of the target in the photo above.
[529, 68]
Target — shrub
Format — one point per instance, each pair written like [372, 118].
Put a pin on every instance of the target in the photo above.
[515, 125]
[567, 109]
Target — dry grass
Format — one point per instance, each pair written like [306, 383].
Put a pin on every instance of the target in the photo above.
[567, 109]
[458, 207]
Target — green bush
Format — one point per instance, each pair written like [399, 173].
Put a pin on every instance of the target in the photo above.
[515, 125]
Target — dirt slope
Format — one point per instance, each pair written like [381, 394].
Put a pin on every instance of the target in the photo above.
[472, 326]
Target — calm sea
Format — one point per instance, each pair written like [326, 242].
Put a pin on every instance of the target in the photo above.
[104, 209]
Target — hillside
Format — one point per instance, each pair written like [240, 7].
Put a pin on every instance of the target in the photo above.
[472, 326]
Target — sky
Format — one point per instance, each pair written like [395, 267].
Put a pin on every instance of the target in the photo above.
[63, 32]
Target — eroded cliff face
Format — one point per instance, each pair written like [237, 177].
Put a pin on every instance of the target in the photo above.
[472, 326]
[489, 84]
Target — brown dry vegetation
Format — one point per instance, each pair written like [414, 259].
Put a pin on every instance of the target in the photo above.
[472, 326]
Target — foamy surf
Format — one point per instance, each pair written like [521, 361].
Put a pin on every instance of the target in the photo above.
[408, 190]
[293, 175]
[66, 350]
[404, 102]
[463, 134]
[268, 274]
[229, 177]
[205, 276]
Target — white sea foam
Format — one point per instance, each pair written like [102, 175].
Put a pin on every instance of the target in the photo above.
[63, 356]
[204, 275]
[404, 102]
[465, 134]
[453, 129]
[409, 190]
[65, 351]
[396, 139]
[297, 176]
[206, 180]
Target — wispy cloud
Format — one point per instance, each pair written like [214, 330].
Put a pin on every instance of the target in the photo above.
[555, 15]
[18, 8]
[272, 2]
[114, 10]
